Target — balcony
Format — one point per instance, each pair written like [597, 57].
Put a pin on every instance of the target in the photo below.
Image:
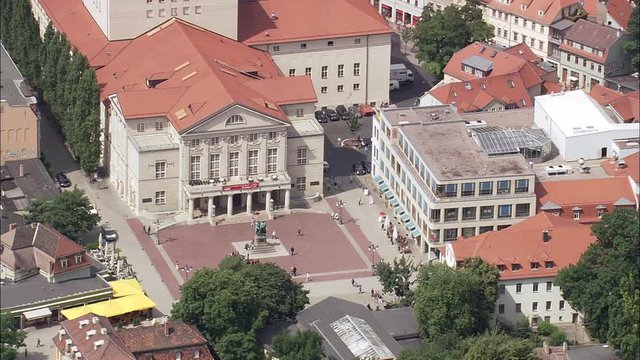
[246, 183]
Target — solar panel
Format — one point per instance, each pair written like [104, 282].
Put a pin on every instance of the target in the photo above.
[497, 141]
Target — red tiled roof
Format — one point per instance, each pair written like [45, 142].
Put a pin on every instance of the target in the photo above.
[144, 339]
[323, 20]
[551, 9]
[549, 87]
[524, 52]
[626, 105]
[620, 11]
[632, 169]
[483, 91]
[205, 73]
[523, 242]
[72, 18]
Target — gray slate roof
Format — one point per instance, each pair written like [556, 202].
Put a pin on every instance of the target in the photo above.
[588, 33]
[19, 190]
[478, 62]
[14, 89]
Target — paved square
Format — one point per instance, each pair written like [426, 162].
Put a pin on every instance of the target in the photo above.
[322, 250]
[278, 249]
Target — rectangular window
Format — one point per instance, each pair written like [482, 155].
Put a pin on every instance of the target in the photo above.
[276, 48]
[149, 14]
[185, 10]
[522, 210]
[535, 287]
[299, 112]
[515, 36]
[469, 213]
[450, 234]
[215, 140]
[307, 71]
[356, 87]
[549, 285]
[486, 188]
[340, 88]
[518, 288]
[486, 212]
[233, 139]
[140, 127]
[329, 43]
[484, 229]
[272, 135]
[272, 160]
[518, 308]
[356, 69]
[324, 72]
[522, 186]
[501, 309]
[503, 289]
[302, 156]
[292, 72]
[468, 232]
[78, 259]
[548, 306]
[159, 125]
[301, 183]
[561, 305]
[161, 169]
[214, 166]
[303, 46]
[198, 9]
[435, 215]
[234, 161]
[504, 211]
[253, 162]
[534, 306]
[253, 137]
[358, 40]
[195, 142]
[161, 197]
[468, 189]
[323, 89]
[174, 11]
[341, 70]
[451, 214]
[504, 186]
[194, 173]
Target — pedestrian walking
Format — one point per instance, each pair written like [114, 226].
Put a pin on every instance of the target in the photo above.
[292, 251]
[177, 265]
[372, 293]
[359, 201]
[299, 232]
[353, 282]
[360, 289]
[308, 278]
[294, 271]
[273, 234]
[38, 343]
[253, 221]
[369, 307]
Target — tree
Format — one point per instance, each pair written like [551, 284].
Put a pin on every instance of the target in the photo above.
[407, 33]
[353, 123]
[498, 346]
[489, 275]
[593, 285]
[396, 278]
[632, 46]
[231, 303]
[69, 213]
[10, 337]
[440, 34]
[625, 317]
[450, 301]
[303, 345]
[521, 329]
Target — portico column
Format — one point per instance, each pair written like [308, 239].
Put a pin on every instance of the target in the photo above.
[210, 211]
[229, 205]
[249, 201]
[422, 246]
[268, 201]
[287, 195]
[190, 218]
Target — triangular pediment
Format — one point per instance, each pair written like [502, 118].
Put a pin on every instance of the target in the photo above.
[235, 118]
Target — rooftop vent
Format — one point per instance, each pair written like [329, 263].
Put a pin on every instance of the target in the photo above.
[61, 333]
[274, 16]
[494, 53]
[90, 333]
[78, 355]
[97, 344]
[83, 323]
[104, 331]
[545, 236]
[95, 319]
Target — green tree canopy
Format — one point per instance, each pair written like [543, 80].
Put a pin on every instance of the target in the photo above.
[440, 34]
[231, 303]
[238, 346]
[632, 47]
[69, 213]
[397, 279]
[10, 337]
[450, 301]
[303, 345]
[608, 268]
[498, 347]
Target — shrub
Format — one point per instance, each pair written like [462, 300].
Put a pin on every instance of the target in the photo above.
[546, 329]
[557, 338]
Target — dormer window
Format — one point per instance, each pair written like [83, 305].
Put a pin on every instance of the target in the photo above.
[535, 265]
[196, 353]
[600, 213]
[515, 267]
[541, 12]
[576, 213]
[511, 84]
[64, 262]
[549, 264]
[523, 7]
[235, 119]
[455, 94]
[502, 267]
[78, 258]
[467, 86]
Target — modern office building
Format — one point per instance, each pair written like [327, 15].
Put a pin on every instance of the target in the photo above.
[444, 174]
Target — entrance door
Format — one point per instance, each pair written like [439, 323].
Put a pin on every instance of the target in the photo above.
[603, 152]
[237, 200]
[574, 318]
[564, 75]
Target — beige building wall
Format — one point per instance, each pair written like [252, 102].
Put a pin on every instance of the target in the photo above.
[19, 138]
[365, 61]
[305, 156]
[126, 19]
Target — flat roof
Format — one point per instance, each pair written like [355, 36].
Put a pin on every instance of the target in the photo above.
[37, 289]
[442, 140]
[13, 86]
[575, 112]
[153, 142]
[19, 190]
[305, 127]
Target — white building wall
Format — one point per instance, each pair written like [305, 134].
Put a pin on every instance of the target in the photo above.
[133, 176]
[428, 100]
[118, 160]
[527, 297]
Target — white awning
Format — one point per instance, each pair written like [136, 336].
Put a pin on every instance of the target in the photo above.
[573, 78]
[37, 314]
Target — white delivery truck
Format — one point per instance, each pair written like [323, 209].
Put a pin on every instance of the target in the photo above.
[400, 73]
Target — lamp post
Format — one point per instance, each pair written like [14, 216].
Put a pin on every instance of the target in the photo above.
[186, 269]
[340, 204]
[157, 223]
[373, 248]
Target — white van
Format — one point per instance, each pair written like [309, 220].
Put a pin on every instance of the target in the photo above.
[394, 85]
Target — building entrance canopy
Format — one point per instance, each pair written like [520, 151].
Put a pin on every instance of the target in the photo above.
[37, 314]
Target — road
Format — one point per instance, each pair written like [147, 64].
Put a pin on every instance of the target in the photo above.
[112, 210]
[423, 81]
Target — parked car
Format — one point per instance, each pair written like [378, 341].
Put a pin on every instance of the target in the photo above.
[366, 166]
[108, 232]
[325, 166]
[358, 169]
[394, 85]
[366, 110]
[343, 112]
[331, 114]
[63, 180]
[320, 116]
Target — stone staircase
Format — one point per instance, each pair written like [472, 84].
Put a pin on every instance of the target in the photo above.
[262, 248]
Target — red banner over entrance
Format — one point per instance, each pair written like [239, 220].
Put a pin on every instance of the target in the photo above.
[247, 186]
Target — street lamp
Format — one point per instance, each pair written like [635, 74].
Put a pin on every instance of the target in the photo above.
[340, 204]
[187, 269]
[373, 248]
[157, 223]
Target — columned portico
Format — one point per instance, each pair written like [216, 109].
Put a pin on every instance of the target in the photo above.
[229, 205]
[268, 201]
[190, 218]
[249, 203]
[287, 199]
[210, 211]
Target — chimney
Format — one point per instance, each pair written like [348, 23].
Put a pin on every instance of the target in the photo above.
[21, 168]
[166, 328]
[545, 236]
[12, 226]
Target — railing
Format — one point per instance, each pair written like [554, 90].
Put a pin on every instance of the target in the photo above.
[218, 184]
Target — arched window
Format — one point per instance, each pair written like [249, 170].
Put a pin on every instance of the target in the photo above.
[235, 119]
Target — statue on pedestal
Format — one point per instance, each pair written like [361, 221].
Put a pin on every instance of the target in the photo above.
[261, 232]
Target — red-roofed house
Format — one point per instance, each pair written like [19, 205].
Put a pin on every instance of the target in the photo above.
[92, 337]
[529, 255]
[614, 13]
[584, 201]
[628, 168]
[626, 107]
[203, 124]
[483, 78]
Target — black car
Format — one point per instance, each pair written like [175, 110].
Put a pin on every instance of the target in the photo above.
[343, 112]
[331, 114]
[63, 180]
[320, 116]
[358, 169]
[366, 166]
